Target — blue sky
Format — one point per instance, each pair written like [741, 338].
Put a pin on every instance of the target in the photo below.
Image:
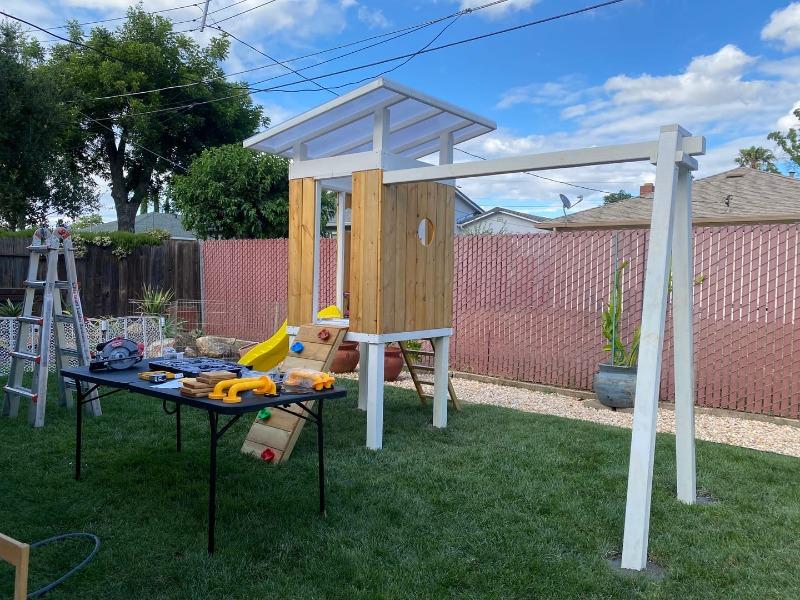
[727, 70]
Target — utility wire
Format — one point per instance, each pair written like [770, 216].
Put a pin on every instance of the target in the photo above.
[583, 187]
[280, 88]
[276, 61]
[153, 12]
[246, 11]
[211, 12]
[137, 144]
[397, 33]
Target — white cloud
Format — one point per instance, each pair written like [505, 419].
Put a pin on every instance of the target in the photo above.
[499, 10]
[718, 93]
[372, 17]
[784, 27]
[789, 120]
[724, 96]
[566, 90]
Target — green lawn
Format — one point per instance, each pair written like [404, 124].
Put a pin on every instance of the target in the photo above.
[501, 504]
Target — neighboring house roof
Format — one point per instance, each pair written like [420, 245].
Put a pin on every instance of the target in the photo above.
[499, 210]
[742, 195]
[467, 201]
[166, 221]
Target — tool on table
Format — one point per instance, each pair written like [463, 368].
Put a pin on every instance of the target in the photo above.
[194, 367]
[118, 353]
[159, 376]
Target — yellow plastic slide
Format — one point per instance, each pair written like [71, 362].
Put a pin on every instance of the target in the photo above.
[270, 353]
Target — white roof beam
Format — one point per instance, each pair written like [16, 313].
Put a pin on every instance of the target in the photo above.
[351, 146]
[315, 112]
[582, 157]
[433, 135]
[344, 121]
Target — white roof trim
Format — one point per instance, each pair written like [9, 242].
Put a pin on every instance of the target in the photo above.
[497, 210]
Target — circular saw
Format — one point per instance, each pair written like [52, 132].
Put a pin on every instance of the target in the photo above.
[117, 353]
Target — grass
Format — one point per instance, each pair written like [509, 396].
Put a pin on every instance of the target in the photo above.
[501, 504]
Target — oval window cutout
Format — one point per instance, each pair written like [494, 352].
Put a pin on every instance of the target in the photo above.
[425, 232]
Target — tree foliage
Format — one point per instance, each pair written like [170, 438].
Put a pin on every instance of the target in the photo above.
[230, 192]
[135, 142]
[757, 157]
[38, 171]
[616, 197]
[788, 141]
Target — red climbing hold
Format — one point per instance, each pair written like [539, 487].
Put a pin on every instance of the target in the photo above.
[268, 455]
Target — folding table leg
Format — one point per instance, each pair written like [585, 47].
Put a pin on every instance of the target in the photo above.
[78, 428]
[321, 456]
[178, 427]
[212, 481]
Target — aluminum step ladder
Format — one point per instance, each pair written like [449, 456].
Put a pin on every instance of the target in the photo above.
[416, 369]
[34, 332]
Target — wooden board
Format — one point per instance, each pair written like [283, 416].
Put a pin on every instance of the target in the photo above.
[300, 284]
[281, 431]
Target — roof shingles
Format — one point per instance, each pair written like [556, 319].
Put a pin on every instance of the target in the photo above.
[741, 195]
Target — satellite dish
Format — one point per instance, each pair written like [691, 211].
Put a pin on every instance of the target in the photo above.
[567, 203]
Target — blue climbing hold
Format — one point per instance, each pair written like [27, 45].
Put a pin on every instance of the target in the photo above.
[297, 347]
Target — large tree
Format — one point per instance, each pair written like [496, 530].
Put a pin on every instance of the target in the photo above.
[757, 157]
[38, 173]
[230, 192]
[137, 141]
[788, 142]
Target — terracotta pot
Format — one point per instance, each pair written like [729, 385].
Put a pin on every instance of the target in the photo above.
[346, 358]
[392, 363]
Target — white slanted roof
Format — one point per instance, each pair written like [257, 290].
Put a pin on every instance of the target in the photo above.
[345, 124]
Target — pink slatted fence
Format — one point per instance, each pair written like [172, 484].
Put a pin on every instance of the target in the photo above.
[528, 307]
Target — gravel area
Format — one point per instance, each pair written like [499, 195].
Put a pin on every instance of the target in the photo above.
[734, 431]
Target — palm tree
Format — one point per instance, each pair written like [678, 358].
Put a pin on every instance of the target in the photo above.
[757, 157]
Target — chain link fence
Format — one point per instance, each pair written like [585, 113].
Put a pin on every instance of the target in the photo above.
[528, 307]
[147, 330]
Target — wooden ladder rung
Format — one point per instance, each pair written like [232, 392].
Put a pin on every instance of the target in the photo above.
[423, 368]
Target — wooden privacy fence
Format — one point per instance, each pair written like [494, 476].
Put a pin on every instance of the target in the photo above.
[109, 283]
[528, 307]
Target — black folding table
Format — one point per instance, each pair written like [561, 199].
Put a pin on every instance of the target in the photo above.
[127, 380]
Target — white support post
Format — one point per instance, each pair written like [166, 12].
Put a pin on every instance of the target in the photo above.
[648, 380]
[682, 293]
[340, 235]
[446, 148]
[441, 346]
[380, 129]
[363, 369]
[315, 281]
[375, 396]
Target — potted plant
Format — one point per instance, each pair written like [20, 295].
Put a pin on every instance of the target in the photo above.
[346, 358]
[615, 383]
[392, 362]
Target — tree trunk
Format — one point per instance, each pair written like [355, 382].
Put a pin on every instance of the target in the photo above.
[126, 215]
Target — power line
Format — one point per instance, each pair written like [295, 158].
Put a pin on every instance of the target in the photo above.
[153, 12]
[276, 61]
[246, 11]
[210, 13]
[137, 144]
[397, 33]
[251, 89]
[583, 187]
